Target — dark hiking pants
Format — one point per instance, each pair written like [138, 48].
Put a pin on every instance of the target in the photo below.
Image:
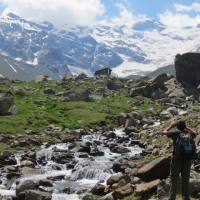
[180, 167]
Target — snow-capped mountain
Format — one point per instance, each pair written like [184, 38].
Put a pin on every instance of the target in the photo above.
[60, 50]
[147, 45]
[136, 49]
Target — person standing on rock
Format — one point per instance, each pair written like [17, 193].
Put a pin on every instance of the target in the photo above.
[184, 151]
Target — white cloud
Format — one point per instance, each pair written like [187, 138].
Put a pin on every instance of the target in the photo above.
[187, 8]
[182, 16]
[60, 12]
[126, 16]
[178, 19]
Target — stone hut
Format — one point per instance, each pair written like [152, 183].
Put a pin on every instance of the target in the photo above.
[105, 72]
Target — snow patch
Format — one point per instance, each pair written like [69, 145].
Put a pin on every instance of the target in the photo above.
[76, 70]
[18, 59]
[33, 62]
[11, 66]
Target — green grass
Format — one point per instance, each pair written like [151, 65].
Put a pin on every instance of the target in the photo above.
[36, 110]
[132, 197]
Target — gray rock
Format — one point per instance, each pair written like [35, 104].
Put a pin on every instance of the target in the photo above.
[34, 195]
[7, 105]
[118, 149]
[26, 185]
[99, 189]
[156, 169]
[77, 95]
[49, 91]
[187, 69]
[114, 84]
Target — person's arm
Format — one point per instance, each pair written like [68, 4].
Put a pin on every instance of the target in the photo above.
[194, 133]
[166, 131]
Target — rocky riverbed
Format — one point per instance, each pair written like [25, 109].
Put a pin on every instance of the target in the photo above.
[69, 170]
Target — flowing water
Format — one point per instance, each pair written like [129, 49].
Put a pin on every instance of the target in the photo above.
[86, 173]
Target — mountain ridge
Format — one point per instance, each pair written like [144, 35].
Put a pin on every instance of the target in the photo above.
[128, 50]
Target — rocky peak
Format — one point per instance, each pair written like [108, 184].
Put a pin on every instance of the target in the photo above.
[188, 69]
[13, 16]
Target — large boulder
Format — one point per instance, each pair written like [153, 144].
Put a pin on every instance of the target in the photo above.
[154, 88]
[34, 195]
[114, 84]
[99, 189]
[77, 95]
[188, 69]
[26, 185]
[7, 105]
[123, 191]
[156, 169]
[144, 188]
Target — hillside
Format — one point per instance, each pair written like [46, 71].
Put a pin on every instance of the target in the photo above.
[80, 132]
[21, 71]
[170, 69]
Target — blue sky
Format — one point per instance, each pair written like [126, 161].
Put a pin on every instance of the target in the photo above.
[151, 8]
[86, 12]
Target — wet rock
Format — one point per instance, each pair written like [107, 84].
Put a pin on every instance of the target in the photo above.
[26, 185]
[34, 195]
[118, 149]
[99, 189]
[45, 189]
[120, 167]
[114, 179]
[156, 169]
[122, 182]
[144, 188]
[56, 178]
[84, 148]
[110, 135]
[121, 119]
[124, 191]
[96, 152]
[45, 183]
[27, 163]
[83, 155]
[90, 197]
[7, 158]
[62, 157]
[67, 190]
[12, 175]
[5, 155]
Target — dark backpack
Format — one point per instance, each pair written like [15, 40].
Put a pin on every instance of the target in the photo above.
[185, 147]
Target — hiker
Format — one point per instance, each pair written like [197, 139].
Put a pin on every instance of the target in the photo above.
[184, 151]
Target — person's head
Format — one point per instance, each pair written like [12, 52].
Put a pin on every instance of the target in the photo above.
[181, 125]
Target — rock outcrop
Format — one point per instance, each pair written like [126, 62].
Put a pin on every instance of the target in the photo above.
[188, 69]
[156, 169]
[7, 105]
